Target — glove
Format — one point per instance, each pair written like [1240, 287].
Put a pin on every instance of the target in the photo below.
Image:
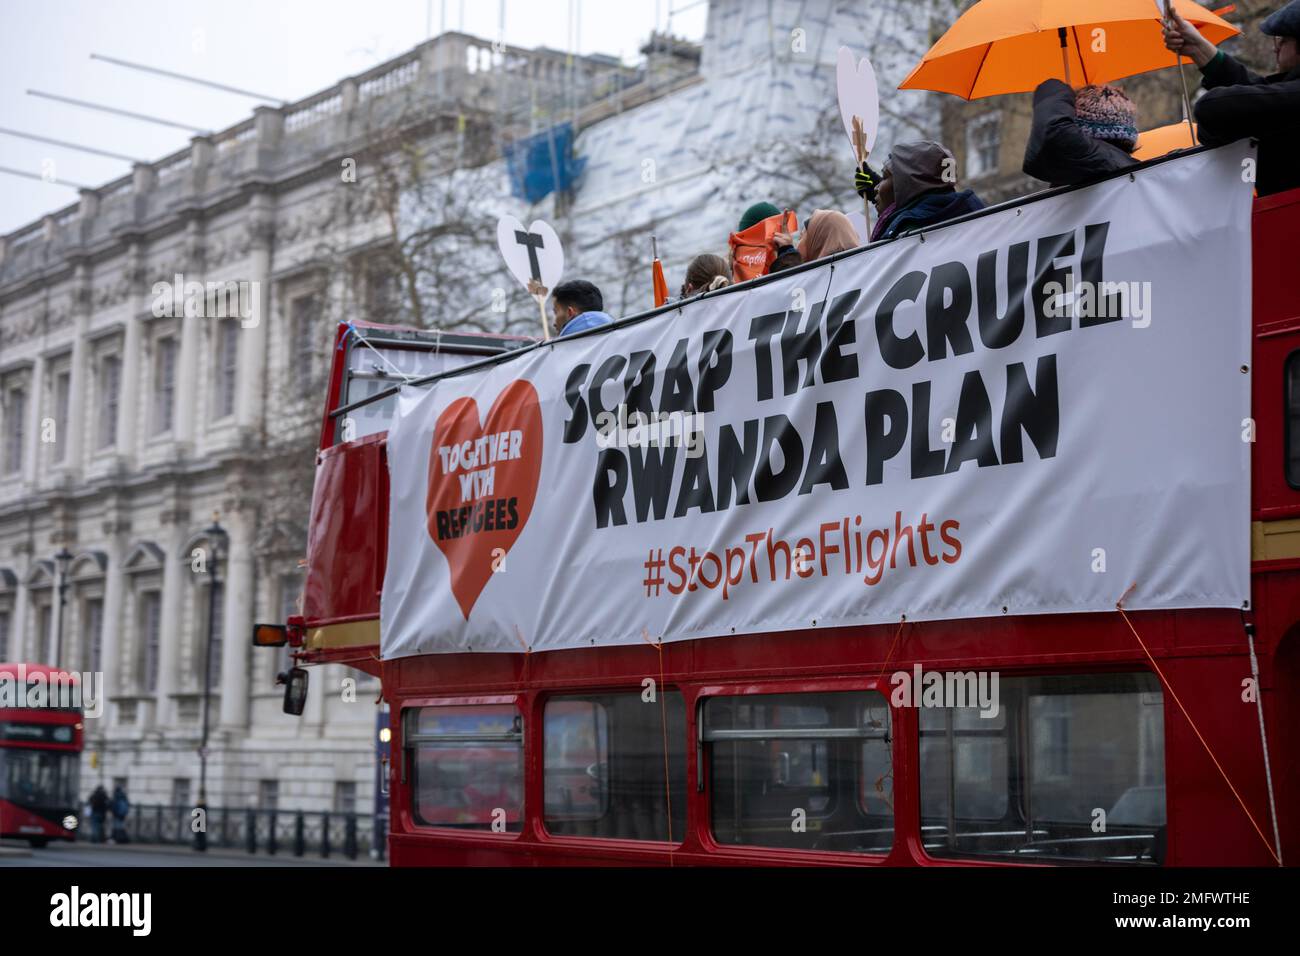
[865, 181]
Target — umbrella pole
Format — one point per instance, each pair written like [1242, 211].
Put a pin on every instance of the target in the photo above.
[1065, 55]
[1187, 100]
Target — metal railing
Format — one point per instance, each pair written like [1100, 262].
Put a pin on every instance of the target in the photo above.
[291, 832]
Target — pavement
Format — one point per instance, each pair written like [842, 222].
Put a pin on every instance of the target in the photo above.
[88, 854]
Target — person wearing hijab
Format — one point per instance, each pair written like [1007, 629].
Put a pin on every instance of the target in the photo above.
[918, 188]
[826, 233]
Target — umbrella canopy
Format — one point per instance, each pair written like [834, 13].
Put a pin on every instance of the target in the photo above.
[1010, 46]
[1164, 139]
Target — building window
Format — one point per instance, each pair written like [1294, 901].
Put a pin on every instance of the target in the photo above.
[44, 620]
[110, 383]
[983, 144]
[93, 638]
[62, 410]
[227, 366]
[1026, 783]
[15, 412]
[218, 609]
[4, 634]
[604, 766]
[822, 759]
[164, 384]
[268, 794]
[468, 766]
[151, 637]
[345, 796]
[303, 315]
[180, 791]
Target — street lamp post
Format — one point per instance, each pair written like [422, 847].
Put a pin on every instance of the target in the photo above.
[216, 539]
[61, 560]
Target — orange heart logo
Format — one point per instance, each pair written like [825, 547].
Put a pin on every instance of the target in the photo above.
[482, 484]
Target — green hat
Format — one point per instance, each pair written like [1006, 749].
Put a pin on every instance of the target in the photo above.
[757, 213]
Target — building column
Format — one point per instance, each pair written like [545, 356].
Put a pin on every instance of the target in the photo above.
[236, 637]
[187, 383]
[18, 627]
[253, 334]
[32, 438]
[75, 427]
[129, 389]
[115, 583]
[175, 578]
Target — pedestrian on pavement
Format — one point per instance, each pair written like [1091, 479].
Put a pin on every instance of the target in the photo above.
[98, 810]
[121, 807]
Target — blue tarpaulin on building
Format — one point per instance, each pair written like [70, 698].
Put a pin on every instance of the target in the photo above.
[542, 163]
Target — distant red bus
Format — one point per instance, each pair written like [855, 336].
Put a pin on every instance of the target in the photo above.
[41, 736]
[781, 749]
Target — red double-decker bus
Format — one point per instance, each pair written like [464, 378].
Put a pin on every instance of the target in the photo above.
[784, 748]
[41, 737]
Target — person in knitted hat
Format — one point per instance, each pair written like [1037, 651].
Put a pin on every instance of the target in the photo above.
[1238, 103]
[1078, 136]
[757, 213]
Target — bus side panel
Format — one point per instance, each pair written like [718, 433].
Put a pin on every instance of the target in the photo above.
[343, 553]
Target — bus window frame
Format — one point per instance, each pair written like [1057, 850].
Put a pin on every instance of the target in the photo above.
[766, 688]
[545, 835]
[407, 747]
[1017, 798]
[1292, 357]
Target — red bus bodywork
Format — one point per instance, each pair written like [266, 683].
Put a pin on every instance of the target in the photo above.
[40, 754]
[1202, 654]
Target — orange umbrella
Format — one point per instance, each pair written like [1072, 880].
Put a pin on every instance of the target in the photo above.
[1010, 46]
[1165, 139]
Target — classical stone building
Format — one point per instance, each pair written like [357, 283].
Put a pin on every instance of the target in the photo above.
[135, 407]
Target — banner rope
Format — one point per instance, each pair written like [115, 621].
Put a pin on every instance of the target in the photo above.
[663, 723]
[1119, 606]
[888, 774]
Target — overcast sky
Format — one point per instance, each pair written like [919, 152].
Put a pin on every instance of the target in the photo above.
[285, 49]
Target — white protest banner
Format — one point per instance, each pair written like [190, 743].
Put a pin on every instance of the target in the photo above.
[1024, 413]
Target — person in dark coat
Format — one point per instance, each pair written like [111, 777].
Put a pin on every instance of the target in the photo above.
[98, 811]
[1238, 103]
[917, 188]
[121, 807]
[1078, 136]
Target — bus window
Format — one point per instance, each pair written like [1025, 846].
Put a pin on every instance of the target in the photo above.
[1037, 781]
[604, 766]
[467, 766]
[1291, 413]
[39, 778]
[801, 771]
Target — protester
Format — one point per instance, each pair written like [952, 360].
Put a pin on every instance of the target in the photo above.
[756, 214]
[577, 306]
[98, 810]
[1078, 136]
[705, 273]
[1239, 103]
[121, 807]
[758, 247]
[917, 188]
[825, 233]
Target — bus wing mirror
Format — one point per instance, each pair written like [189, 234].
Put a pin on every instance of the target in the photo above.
[295, 690]
[270, 635]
